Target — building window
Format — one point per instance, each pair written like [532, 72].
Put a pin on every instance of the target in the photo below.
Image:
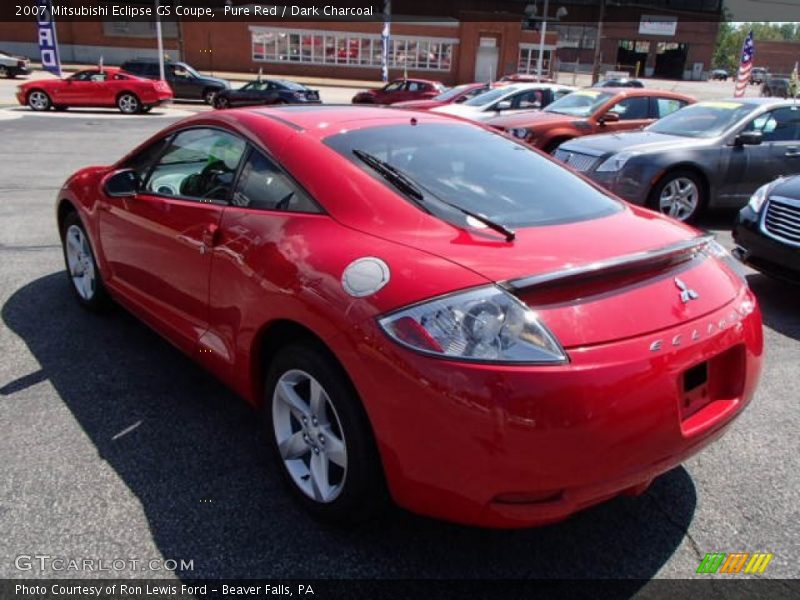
[350, 49]
[582, 37]
[529, 58]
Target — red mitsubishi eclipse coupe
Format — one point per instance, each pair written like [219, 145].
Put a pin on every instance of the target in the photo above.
[108, 87]
[421, 305]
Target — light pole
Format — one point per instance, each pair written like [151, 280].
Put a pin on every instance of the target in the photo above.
[160, 44]
[531, 9]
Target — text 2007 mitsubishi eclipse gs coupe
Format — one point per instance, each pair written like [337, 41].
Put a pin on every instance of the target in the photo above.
[421, 305]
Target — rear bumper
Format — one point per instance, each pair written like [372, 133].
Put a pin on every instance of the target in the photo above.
[18, 70]
[762, 252]
[503, 446]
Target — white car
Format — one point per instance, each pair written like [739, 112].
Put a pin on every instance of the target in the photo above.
[507, 99]
[11, 66]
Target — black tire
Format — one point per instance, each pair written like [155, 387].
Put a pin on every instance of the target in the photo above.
[363, 492]
[128, 103]
[99, 301]
[39, 100]
[209, 94]
[222, 103]
[654, 203]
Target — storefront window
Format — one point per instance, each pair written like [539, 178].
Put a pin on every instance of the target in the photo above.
[529, 59]
[341, 48]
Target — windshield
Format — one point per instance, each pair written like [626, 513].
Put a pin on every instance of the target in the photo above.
[188, 69]
[490, 96]
[478, 171]
[702, 120]
[451, 93]
[579, 104]
[290, 85]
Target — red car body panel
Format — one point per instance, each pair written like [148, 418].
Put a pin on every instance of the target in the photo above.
[488, 444]
[428, 90]
[547, 127]
[433, 103]
[69, 92]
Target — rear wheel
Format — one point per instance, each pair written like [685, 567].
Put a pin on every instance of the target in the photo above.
[679, 194]
[39, 100]
[321, 436]
[82, 270]
[222, 103]
[128, 103]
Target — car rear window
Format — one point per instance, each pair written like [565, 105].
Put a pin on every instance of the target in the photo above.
[480, 171]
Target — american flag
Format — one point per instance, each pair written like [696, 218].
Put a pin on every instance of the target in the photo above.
[745, 66]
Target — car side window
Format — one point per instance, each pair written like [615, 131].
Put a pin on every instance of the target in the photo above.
[559, 93]
[199, 164]
[665, 106]
[263, 185]
[142, 161]
[628, 109]
[529, 99]
[780, 125]
[98, 76]
[393, 87]
[413, 86]
[82, 76]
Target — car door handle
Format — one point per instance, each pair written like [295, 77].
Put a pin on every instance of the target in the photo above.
[210, 236]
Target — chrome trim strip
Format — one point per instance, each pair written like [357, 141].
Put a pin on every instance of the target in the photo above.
[690, 248]
[787, 236]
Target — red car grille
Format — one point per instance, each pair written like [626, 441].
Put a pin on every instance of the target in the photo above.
[782, 220]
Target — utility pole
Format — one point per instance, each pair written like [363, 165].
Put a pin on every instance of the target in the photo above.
[542, 34]
[597, 53]
[160, 44]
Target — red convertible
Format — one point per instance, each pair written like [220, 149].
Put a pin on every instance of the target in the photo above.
[408, 317]
[107, 87]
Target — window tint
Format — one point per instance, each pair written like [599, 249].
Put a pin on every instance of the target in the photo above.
[780, 125]
[393, 87]
[199, 163]
[477, 170]
[631, 108]
[83, 75]
[142, 161]
[413, 86]
[665, 106]
[263, 185]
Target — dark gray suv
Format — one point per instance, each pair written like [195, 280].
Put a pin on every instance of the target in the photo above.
[186, 83]
[710, 154]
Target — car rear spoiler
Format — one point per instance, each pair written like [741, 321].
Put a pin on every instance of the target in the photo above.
[656, 259]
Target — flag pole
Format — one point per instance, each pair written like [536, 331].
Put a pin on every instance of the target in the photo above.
[160, 44]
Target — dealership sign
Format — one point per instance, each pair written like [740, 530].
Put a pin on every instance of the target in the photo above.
[48, 44]
[658, 25]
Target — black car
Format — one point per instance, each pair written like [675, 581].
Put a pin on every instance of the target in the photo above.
[767, 230]
[758, 75]
[267, 91]
[619, 82]
[777, 87]
[720, 75]
[186, 83]
[712, 154]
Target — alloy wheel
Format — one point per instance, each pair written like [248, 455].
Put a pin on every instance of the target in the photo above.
[128, 104]
[39, 100]
[680, 198]
[309, 436]
[80, 262]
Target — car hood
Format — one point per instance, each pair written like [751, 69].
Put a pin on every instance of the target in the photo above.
[637, 141]
[531, 120]
[459, 109]
[789, 187]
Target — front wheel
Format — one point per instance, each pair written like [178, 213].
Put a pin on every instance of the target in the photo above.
[680, 195]
[82, 270]
[39, 101]
[208, 97]
[321, 436]
[222, 103]
[128, 104]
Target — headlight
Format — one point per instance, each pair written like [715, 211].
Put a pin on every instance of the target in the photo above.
[485, 325]
[520, 132]
[616, 161]
[759, 197]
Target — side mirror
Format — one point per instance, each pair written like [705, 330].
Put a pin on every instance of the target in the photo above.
[609, 117]
[122, 184]
[502, 105]
[748, 138]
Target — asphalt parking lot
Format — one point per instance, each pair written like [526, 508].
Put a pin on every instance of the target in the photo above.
[116, 445]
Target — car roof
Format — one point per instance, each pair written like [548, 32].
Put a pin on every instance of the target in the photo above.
[416, 80]
[755, 100]
[633, 91]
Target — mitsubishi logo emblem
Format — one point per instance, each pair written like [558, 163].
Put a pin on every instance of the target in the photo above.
[687, 293]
